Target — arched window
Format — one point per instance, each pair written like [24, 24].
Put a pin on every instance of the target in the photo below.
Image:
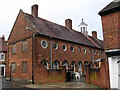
[85, 67]
[65, 64]
[13, 67]
[55, 65]
[45, 63]
[91, 64]
[2, 57]
[24, 45]
[80, 67]
[72, 65]
[83, 28]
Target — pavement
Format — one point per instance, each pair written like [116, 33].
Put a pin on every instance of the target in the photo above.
[26, 85]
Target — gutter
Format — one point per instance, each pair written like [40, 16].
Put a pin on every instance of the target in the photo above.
[50, 52]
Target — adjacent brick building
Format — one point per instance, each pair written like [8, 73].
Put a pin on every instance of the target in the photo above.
[110, 16]
[3, 54]
[40, 48]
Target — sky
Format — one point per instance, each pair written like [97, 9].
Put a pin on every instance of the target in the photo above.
[56, 11]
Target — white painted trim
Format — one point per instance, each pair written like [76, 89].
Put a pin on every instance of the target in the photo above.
[113, 50]
[113, 72]
[2, 65]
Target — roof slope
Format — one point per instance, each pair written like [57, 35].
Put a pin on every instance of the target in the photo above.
[112, 7]
[54, 30]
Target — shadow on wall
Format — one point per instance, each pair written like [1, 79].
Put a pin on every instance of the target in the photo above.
[99, 76]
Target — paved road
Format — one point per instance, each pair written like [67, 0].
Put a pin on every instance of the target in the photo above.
[16, 85]
[11, 85]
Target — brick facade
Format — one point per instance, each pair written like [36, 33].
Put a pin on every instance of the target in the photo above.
[24, 29]
[111, 30]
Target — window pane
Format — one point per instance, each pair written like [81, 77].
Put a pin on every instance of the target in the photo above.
[44, 43]
[13, 67]
[24, 46]
[14, 48]
[25, 67]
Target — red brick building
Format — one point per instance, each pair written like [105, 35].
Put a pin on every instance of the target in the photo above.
[110, 16]
[3, 54]
[35, 42]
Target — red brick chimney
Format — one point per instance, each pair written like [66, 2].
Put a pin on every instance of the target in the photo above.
[3, 37]
[94, 34]
[68, 23]
[34, 10]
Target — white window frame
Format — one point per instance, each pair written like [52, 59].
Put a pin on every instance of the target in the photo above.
[65, 64]
[65, 47]
[57, 65]
[46, 44]
[73, 48]
[56, 47]
[1, 57]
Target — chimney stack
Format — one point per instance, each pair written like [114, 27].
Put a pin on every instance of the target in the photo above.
[68, 23]
[94, 34]
[34, 10]
[3, 37]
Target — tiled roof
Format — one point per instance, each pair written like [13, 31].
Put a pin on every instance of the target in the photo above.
[112, 7]
[54, 30]
[3, 45]
[98, 43]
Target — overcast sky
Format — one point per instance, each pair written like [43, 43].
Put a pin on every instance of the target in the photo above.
[56, 11]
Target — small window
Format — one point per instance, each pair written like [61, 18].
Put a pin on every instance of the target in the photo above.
[2, 56]
[55, 65]
[64, 47]
[24, 46]
[83, 28]
[55, 46]
[44, 43]
[79, 49]
[24, 66]
[45, 63]
[13, 67]
[14, 48]
[90, 51]
[94, 52]
[85, 51]
[72, 48]
[65, 64]
[72, 65]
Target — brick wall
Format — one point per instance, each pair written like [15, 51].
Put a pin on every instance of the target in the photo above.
[99, 76]
[18, 58]
[42, 75]
[60, 55]
[111, 30]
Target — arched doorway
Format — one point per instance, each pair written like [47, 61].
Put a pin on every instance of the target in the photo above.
[85, 67]
[65, 64]
[55, 65]
[91, 64]
[80, 67]
[45, 63]
[72, 65]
